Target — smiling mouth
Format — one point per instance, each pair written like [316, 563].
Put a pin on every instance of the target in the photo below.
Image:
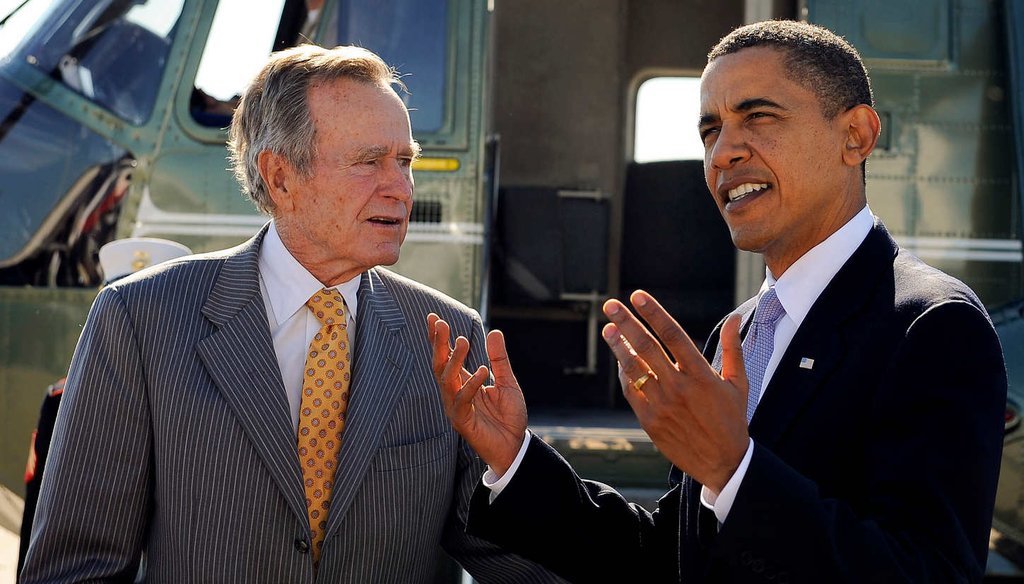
[744, 190]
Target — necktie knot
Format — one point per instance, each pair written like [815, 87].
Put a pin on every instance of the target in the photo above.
[769, 309]
[328, 306]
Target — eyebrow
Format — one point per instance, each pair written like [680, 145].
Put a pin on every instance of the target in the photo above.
[756, 102]
[370, 152]
[744, 106]
[378, 150]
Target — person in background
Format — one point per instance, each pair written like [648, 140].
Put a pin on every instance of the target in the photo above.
[844, 425]
[118, 258]
[268, 411]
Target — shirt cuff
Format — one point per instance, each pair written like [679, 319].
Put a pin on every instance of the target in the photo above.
[722, 502]
[495, 483]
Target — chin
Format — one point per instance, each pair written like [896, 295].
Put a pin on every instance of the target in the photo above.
[387, 258]
[746, 241]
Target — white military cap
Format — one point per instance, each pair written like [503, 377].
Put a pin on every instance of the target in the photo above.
[125, 256]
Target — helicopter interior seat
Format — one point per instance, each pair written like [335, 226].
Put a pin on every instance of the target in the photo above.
[675, 244]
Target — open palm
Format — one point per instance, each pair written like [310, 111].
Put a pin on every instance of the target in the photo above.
[492, 418]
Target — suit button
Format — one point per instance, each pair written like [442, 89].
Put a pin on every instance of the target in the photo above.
[757, 566]
[746, 558]
[301, 546]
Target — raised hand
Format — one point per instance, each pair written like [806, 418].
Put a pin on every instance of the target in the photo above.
[696, 417]
[491, 418]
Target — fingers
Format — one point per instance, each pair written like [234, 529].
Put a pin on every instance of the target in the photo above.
[637, 398]
[450, 376]
[623, 378]
[643, 343]
[447, 361]
[679, 344]
[458, 387]
[462, 400]
[498, 355]
[733, 369]
[631, 365]
[438, 332]
[732, 351]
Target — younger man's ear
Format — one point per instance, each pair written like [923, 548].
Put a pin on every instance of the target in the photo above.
[862, 131]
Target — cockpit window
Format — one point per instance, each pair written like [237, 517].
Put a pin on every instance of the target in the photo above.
[113, 52]
[239, 43]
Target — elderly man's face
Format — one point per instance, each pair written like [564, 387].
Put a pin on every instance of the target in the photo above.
[352, 213]
[772, 162]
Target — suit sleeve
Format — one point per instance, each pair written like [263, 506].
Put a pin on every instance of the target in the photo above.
[95, 495]
[932, 462]
[487, 563]
[583, 530]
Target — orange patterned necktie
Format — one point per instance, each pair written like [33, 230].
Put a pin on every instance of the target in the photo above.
[322, 413]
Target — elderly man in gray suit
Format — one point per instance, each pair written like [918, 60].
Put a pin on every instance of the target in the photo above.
[268, 413]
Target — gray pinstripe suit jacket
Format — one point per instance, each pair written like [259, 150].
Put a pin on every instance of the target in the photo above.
[174, 441]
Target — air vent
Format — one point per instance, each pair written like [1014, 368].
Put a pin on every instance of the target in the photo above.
[426, 212]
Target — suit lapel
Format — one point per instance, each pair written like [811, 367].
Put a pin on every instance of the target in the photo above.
[823, 337]
[382, 361]
[241, 360]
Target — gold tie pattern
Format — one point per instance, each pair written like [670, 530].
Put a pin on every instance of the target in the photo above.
[325, 395]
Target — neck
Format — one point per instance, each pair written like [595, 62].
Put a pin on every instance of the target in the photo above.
[328, 270]
[779, 258]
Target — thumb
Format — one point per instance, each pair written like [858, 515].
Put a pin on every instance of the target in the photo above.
[733, 370]
[496, 352]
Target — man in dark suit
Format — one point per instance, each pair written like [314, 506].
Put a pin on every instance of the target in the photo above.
[267, 413]
[875, 383]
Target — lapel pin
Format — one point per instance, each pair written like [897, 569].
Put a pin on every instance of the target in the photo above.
[806, 363]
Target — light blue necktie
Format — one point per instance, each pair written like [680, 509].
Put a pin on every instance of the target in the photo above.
[759, 345]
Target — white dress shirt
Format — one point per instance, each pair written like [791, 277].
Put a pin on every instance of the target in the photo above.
[798, 289]
[286, 286]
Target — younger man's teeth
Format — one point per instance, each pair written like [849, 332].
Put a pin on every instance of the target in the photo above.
[745, 189]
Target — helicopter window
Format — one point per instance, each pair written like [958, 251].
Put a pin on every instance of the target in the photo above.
[18, 22]
[410, 35]
[667, 110]
[113, 52]
[238, 45]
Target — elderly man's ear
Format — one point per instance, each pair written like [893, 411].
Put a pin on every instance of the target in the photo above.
[280, 176]
[862, 130]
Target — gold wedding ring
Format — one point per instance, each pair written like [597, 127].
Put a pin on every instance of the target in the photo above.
[640, 381]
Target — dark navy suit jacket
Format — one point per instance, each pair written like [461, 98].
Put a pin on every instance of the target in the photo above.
[878, 464]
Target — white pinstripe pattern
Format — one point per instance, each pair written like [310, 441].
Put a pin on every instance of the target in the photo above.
[174, 441]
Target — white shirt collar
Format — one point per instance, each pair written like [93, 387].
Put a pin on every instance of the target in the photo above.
[804, 281]
[289, 284]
